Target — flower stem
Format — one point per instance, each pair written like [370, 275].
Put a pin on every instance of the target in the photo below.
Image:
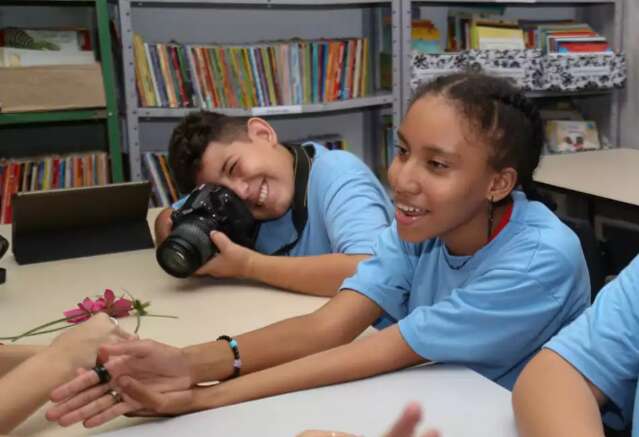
[161, 315]
[16, 338]
[37, 328]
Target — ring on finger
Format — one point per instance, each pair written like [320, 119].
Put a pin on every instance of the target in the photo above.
[115, 395]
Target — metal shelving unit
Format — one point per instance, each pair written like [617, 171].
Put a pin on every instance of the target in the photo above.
[135, 114]
[588, 10]
[110, 113]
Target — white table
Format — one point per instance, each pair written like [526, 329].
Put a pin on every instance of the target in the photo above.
[458, 400]
[610, 174]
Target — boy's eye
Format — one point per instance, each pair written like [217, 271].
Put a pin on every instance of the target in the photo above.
[232, 168]
[400, 150]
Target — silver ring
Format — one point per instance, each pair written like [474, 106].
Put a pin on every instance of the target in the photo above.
[115, 321]
[117, 397]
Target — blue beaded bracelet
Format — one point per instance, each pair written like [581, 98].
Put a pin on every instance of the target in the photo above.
[237, 362]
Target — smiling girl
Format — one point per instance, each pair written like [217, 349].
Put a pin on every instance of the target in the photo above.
[472, 271]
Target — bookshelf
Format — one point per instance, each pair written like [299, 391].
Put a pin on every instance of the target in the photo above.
[108, 115]
[605, 16]
[252, 22]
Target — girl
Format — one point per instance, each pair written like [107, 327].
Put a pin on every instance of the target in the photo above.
[472, 271]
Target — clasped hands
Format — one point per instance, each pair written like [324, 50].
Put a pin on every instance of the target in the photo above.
[146, 378]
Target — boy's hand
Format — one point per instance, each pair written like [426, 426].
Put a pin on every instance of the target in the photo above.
[232, 261]
[163, 226]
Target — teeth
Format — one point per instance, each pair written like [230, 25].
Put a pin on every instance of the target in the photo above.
[410, 209]
[263, 194]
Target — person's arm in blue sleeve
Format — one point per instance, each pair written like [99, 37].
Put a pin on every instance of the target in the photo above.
[591, 363]
[356, 213]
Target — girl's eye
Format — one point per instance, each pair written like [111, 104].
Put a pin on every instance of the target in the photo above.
[437, 165]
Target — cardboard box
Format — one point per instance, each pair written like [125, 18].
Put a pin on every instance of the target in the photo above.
[51, 87]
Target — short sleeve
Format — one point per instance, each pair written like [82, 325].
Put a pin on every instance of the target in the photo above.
[603, 343]
[386, 277]
[356, 208]
[477, 324]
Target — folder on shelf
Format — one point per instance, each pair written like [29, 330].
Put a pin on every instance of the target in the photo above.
[77, 222]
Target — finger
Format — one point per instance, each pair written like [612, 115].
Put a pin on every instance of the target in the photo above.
[119, 409]
[405, 425]
[220, 240]
[135, 348]
[56, 412]
[83, 381]
[87, 411]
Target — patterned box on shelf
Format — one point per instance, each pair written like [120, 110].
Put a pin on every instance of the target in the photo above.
[524, 67]
[427, 66]
[585, 71]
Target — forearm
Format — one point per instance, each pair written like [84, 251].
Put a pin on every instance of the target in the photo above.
[375, 354]
[316, 275]
[551, 398]
[338, 322]
[12, 355]
[27, 387]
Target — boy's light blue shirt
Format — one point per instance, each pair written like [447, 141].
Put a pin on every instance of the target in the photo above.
[603, 344]
[495, 312]
[347, 209]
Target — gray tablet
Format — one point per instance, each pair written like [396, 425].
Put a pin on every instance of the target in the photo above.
[74, 222]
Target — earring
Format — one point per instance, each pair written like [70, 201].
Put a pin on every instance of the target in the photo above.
[491, 218]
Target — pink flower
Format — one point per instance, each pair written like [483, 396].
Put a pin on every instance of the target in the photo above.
[115, 307]
[106, 303]
[84, 311]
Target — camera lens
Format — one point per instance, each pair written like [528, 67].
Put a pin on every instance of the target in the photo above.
[186, 249]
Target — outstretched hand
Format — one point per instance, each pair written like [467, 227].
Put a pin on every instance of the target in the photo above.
[231, 261]
[159, 367]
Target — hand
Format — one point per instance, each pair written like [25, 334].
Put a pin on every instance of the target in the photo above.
[80, 344]
[232, 261]
[163, 225]
[407, 422]
[137, 399]
[158, 366]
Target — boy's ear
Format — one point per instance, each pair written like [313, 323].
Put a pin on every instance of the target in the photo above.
[261, 130]
[502, 184]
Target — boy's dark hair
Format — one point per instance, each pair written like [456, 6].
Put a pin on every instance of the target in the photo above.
[499, 115]
[191, 137]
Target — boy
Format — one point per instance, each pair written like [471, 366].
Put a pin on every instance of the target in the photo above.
[346, 205]
[593, 363]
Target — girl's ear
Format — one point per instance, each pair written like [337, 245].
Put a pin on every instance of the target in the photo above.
[503, 182]
[260, 130]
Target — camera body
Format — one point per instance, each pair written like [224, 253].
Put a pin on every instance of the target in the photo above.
[208, 208]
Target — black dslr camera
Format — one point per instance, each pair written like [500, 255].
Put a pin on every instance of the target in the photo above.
[208, 208]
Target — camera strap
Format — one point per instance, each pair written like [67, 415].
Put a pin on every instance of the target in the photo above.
[303, 160]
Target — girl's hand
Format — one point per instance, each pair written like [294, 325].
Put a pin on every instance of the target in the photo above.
[163, 226]
[232, 261]
[79, 345]
[158, 366]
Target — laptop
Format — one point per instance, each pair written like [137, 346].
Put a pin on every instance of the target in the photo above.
[76, 222]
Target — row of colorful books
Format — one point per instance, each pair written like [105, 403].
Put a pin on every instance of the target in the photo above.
[292, 72]
[488, 29]
[50, 172]
[164, 188]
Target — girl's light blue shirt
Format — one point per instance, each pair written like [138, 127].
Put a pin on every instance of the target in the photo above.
[493, 313]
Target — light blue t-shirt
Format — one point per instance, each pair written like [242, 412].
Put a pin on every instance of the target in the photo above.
[603, 344]
[493, 313]
[347, 209]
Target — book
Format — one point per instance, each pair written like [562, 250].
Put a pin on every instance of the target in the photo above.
[571, 136]
[17, 57]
